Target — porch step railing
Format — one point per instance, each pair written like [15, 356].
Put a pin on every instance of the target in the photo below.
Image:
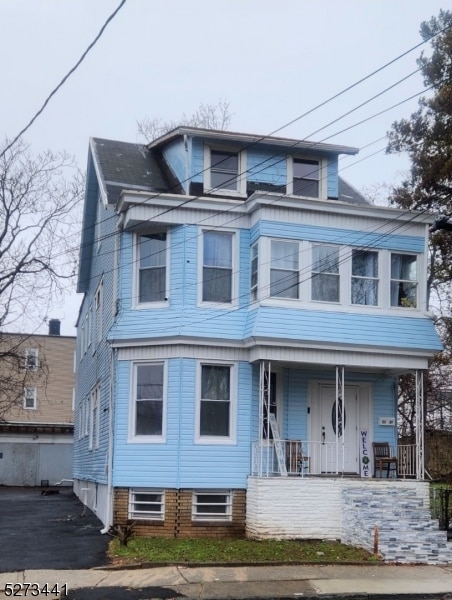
[281, 458]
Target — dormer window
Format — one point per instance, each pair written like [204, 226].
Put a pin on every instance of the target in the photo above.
[304, 177]
[224, 172]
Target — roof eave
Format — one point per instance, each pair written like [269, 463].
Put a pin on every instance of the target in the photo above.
[245, 138]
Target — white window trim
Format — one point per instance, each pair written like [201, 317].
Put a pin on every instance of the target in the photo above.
[146, 439]
[323, 179]
[99, 308]
[136, 304]
[378, 279]
[33, 395]
[86, 418]
[94, 426]
[32, 352]
[417, 281]
[208, 189]
[342, 259]
[100, 205]
[219, 517]
[345, 273]
[235, 269]
[146, 516]
[217, 440]
[256, 289]
[300, 270]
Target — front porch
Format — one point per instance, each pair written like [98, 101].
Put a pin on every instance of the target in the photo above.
[285, 458]
[330, 422]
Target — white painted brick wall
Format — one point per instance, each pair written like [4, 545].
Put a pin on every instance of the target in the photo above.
[308, 507]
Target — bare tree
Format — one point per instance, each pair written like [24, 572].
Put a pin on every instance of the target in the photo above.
[209, 116]
[40, 198]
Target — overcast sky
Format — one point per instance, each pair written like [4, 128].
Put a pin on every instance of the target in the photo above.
[272, 60]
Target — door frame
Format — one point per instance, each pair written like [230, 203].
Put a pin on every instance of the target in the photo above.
[363, 407]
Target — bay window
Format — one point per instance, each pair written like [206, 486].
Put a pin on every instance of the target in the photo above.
[365, 277]
[217, 266]
[152, 267]
[148, 399]
[284, 268]
[404, 280]
[325, 273]
[254, 271]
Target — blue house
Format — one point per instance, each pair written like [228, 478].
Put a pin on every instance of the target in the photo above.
[246, 314]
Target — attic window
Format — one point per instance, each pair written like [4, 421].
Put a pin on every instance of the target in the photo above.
[305, 180]
[224, 170]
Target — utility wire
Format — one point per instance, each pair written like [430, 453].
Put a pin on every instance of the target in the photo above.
[65, 78]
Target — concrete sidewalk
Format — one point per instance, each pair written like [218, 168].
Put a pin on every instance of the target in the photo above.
[203, 583]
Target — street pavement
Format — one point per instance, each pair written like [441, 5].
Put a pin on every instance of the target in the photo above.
[221, 583]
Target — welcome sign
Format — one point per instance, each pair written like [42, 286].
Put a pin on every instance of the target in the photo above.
[364, 453]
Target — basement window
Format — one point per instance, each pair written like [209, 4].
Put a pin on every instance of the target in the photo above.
[147, 504]
[210, 505]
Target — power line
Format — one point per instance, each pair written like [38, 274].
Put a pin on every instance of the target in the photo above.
[65, 78]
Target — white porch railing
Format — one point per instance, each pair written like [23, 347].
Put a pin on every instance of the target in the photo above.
[406, 460]
[317, 458]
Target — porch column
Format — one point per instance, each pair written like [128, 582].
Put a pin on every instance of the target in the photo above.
[419, 424]
[264, 421]
[340, 412]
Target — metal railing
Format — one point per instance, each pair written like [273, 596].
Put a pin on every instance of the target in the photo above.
[275, 458]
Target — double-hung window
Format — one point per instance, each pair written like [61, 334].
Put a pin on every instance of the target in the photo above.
[149, 392]
[217, 267]
[30, 398]
[365, 277]
[224, 171]
[306, 177]
[215, 401]
[325, 273]
[31, 359]
[404, 280]
[152, 251]
[98, 303]
[94, 418]
[212, 505]
[284, 269]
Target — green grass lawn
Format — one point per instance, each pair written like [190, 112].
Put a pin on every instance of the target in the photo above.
[227, 551]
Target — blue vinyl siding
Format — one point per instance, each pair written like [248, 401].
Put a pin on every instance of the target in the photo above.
[346, 237]
[176, 157]
[266, 166]
[332, 175]
[197, 174]
[94, 366]
[295, 402]
[180, 462]
[341, 327]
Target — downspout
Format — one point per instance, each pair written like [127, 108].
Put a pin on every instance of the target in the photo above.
[109, 515]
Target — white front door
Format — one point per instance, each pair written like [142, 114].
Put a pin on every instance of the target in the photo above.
[334, 430]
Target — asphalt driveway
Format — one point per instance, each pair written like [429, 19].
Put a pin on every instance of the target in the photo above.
[48, 532]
